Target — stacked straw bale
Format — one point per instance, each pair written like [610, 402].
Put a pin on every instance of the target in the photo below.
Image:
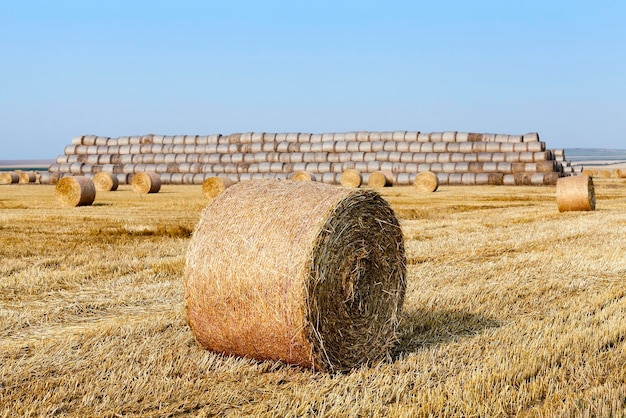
[190, 159]
[323, 290]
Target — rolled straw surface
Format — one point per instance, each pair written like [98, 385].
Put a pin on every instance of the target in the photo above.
[575, 193]
[303, 176]
[214, 186]
[27, 177]
[75, 191]
[351, 178]
[426, 182]
[9, 177]
[380, 179]
[146, 183]
[105, 182]
[303, 272]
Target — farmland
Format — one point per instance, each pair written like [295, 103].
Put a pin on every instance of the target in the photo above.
[512, 308]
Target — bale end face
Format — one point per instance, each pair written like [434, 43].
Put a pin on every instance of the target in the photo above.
[380, 179]
[351, 178]
[303, 176]
[105, 182]
[302, 272]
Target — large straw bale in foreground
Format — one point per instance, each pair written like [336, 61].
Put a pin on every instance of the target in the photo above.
[303, 272]
[75, 191]
[144, 183]
[105, 182]
[9, 177]
[575, 194]
[426, 182]
[214, 186]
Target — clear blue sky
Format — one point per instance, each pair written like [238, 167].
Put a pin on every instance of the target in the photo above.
[129, 67]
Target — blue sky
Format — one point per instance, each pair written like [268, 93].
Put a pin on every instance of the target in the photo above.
[129, 67]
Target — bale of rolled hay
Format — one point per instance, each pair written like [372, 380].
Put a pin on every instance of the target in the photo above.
[426, 182]
[48, 177]
[27, 177]
[616, 173]
[604, 174]
[74, 191]
[351, 178]
[105, 182]
[379, 179]
[575, 193]
[214, 186]
[303, 176]
[144, 183]
[9, 177]
[323, 291]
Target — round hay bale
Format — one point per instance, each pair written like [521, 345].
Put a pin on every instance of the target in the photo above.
[616, 173]
[214, 186]
[28, 176]
[105, 182]
[48, 178]
[9, 177]
[379, 179]
[426, 182]
[75, 191]
[144, 183]
[601, 173]
[575, 193]
[303, 176]
[351, 178]
[323, 291]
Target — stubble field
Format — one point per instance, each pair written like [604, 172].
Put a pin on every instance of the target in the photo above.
[512, 308]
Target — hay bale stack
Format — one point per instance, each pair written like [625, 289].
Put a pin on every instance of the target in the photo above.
[323, 291]
[575, 193]
[379, 179]
[351, 178]
[144, 183]
[9, 177]
[75, 191]
[105, 182]
[426, 182]
[214, 186]
[303, 176]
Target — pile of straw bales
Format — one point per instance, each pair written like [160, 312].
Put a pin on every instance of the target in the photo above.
[455, 157]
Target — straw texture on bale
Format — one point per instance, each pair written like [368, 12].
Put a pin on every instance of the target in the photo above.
[9, 177]
[27, 177]
[575, 193]
[351, 178]
[380, 179]
[303, 272]
[426, 182]
[214, 186]
[144, 183]
[105, 182]
[303, 176]
[75, 191]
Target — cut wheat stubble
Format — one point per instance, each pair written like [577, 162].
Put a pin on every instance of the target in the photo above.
[302, 272]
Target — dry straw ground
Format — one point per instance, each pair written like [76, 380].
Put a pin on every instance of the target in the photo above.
[512, 308]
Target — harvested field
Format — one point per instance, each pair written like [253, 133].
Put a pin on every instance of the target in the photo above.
[511, 308]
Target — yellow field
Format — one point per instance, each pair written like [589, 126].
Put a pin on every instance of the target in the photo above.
[512, 308]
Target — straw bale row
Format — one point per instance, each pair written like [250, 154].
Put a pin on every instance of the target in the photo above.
[327, 146]
[298, 157]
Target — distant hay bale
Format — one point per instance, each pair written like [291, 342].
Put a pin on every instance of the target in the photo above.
[75, 191]
[604, 174]
[105, 182]
[325, 290]
[9, 177]
[144, 183]
[303, 176]
[379, 179]
[426, 182]
[48, 177]
[214, 186]
[351, 178]
[575, 193]
[27, 177]
[616, 173]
